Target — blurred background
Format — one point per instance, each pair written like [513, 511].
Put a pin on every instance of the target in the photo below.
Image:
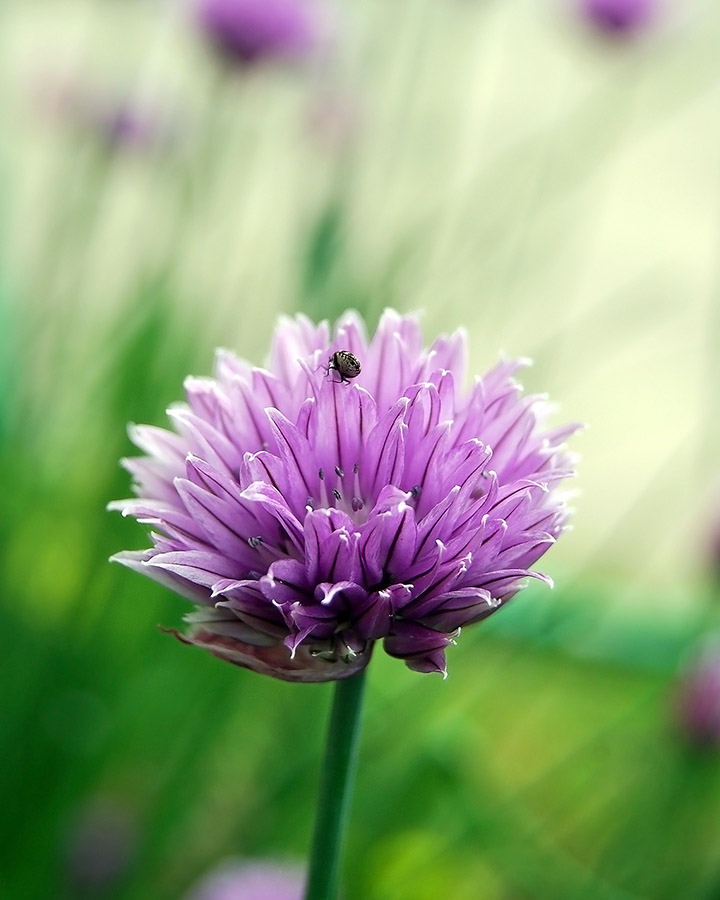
[544, 174]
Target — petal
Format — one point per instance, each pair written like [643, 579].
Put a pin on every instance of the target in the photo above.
[203, 567]
[350, 335]
[286, 583]
[437, 521]
[392, 358]
[204, 440]
[274, 519]
[423, 411]
[138, 561]
[298, 459]
[439, 574]
[247, 602]
[342, 596]
[383, 455]
[373, 618]
[339, 426]
[220, 521]
[152, 478]
[262, 466]
[387, 545]
[160, 443]
[296, 338]
[446, 353]
[331, 547]
[505, 581]
[255, 515]
[205, 398]
[229, 367]
[306, 665]
[448, 612]
[173, 521]
[308, 622]
[268, 391]
[422, 648]
[245, 418]
[222, 621]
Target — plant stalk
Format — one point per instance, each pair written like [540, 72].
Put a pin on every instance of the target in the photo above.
[336, 783]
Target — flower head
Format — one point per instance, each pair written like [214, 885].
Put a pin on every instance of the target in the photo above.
[248, 31]
[238, 880]
[310, 511]
[619, 18]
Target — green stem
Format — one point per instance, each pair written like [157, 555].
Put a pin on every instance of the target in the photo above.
[336, 781]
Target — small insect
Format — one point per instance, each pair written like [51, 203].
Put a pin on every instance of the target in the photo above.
[345, 363]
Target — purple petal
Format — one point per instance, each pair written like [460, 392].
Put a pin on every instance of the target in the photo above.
[185, 587]
[295, 340]
[331, 547]
[266, 505]
[387, 546]
[422, 648]
[286, 582]
[203, 567]
[305, 665]
[383, 457]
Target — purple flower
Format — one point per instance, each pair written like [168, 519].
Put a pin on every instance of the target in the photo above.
[119, 123]
[713, 540]
[697, 702]
[130, 125]
[248, 31]
[619, 18]
[237, 880]
[309, 513]
[100, 847]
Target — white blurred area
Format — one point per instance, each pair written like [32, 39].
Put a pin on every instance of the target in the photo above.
[499, 166]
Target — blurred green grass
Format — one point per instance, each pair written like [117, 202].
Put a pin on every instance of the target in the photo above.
[555, 196]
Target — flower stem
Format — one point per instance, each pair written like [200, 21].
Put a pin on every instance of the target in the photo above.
[336, 782]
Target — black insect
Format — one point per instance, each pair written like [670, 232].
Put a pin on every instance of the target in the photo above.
[345, 363]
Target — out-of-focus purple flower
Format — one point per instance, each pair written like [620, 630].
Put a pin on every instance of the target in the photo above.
[309, 515]
[101, 843]
[619, 18]
[123, 124]
[697, 701]
[244, 32]
[712, 539]
[261, 880]
[129, 125]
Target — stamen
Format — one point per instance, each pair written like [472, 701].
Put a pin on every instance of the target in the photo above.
[339, 472]
[321, 474]
[255, 541]
[336, 494]
[357, 501]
